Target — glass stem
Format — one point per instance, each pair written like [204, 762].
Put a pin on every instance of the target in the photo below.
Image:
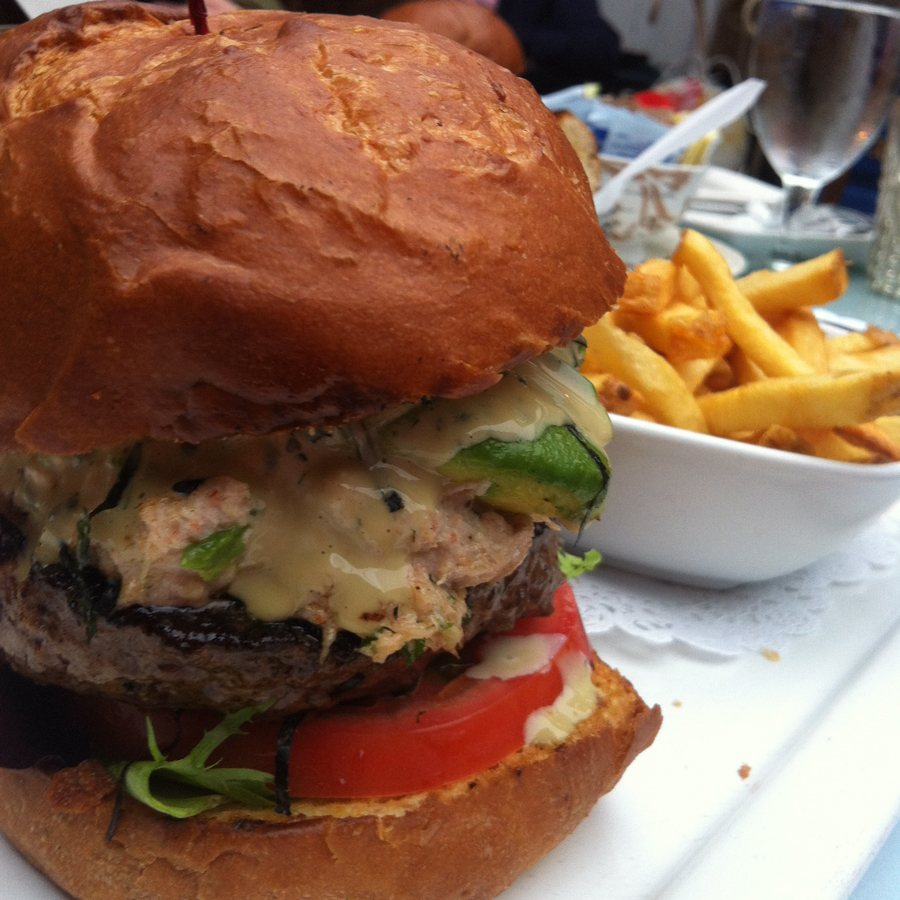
[798, 193]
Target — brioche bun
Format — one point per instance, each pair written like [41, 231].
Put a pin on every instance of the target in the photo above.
[293, 220]
[470, 839]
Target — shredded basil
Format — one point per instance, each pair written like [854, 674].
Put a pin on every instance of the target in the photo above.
[213, 555]
[283, 762]
[186, 787]
[572, 566]
[370, 639]
[83, 541]
[84, 599]
[130, 466]
[413, 649]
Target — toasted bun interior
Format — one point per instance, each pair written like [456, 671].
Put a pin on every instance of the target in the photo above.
[292, 220]
[468, 840]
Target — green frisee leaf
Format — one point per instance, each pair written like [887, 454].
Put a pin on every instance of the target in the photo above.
[83, 541]
[186, 787]
[572, 566]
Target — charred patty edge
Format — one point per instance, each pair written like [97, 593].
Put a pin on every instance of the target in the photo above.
[60, 626]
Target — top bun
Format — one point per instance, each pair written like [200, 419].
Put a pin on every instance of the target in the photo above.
[293, 220]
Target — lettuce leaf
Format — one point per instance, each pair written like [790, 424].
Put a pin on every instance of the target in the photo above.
[186, 787]
[572, 566]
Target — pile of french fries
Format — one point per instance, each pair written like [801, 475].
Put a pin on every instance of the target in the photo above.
[690, 346]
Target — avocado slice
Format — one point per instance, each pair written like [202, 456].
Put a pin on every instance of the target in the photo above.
[559, 475]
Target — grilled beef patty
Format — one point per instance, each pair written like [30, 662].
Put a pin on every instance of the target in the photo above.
[61, 626]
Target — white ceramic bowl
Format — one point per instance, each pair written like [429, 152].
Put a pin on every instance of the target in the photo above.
[713, 512]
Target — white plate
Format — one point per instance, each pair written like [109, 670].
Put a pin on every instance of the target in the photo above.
[745, 233]
[818, 729]
[664, 246]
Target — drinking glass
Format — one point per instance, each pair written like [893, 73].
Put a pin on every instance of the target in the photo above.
[831, 67]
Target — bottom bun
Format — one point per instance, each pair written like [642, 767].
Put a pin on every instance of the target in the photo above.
[468, 841]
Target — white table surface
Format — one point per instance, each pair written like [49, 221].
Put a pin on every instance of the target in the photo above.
[819, 730]
[881, 881]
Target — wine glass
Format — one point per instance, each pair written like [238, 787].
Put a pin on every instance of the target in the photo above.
[831, 67]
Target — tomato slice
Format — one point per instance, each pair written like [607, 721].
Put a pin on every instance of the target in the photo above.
[440, 732]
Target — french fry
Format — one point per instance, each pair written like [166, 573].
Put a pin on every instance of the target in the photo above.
[743, 369]
[860, 342]
[615, 396]
[852, 342]
[826, 444]
[688, 348]
[680, 332]
[880, 337]
[649, 288]
[812, 401]
[720, 378]
[801, 330]
[884, 359]
[814, 282]
[777, 437]
[890, 425]
[609, 349]
[694, 372]
[747, 327]
[687, 289]
[873, 439]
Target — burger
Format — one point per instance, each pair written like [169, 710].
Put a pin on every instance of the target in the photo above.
[288, 419]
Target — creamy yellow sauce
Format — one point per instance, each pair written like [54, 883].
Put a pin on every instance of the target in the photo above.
[332, 532]
[54, 492]
[513, 656]
[516, 655]
[579, 698]
[520, 407]
[326, 536]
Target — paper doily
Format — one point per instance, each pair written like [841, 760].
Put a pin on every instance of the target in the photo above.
[749, 617]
